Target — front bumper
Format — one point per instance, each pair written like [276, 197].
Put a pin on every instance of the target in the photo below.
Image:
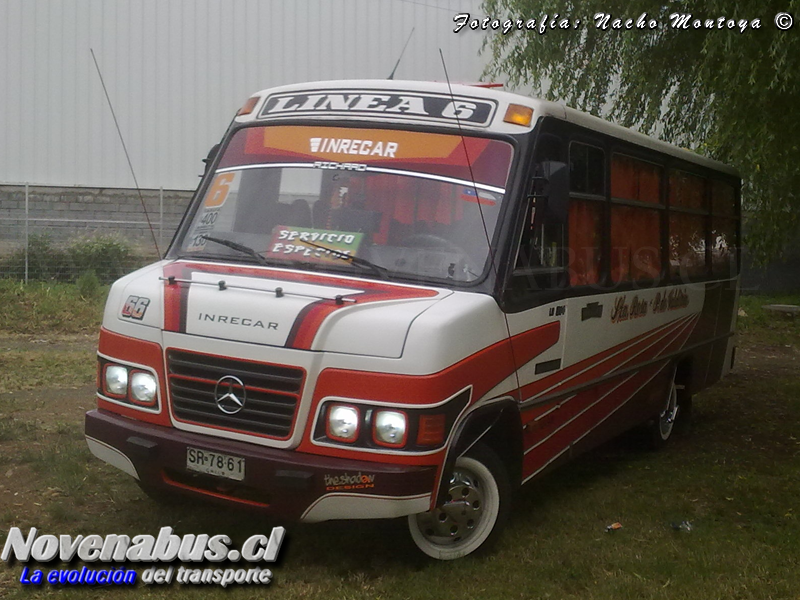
[283, 483]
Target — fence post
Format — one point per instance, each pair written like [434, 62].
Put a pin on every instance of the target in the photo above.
[26, 232]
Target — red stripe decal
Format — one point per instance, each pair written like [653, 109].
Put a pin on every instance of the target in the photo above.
[599, 403]
[175, 296]
[308, 322]
[607, 361]
[559, 426]
[484, 370]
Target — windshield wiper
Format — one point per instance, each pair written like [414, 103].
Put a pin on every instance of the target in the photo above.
[381, 272]
[238, 247]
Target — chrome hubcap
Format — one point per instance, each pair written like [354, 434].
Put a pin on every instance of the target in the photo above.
[458, 517]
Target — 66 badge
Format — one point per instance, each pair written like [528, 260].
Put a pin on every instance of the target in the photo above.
[135, 307]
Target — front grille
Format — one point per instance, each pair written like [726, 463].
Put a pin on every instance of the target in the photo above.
[273, 392]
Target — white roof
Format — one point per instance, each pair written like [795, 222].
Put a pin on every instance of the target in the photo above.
[341, 100]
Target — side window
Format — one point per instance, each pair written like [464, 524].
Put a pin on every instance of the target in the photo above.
[541, 256]
[635, 219]
[724, 228]
[586, 210]
[586, 170]
[688, 214]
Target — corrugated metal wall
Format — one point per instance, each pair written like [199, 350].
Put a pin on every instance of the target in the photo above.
[177, 70]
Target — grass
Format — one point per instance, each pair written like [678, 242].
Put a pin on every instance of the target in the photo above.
[758, 326]
[48, 308]
[30, 369]
[64, 320]
[736, 479]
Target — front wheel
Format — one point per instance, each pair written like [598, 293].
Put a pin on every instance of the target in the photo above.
[475, 509]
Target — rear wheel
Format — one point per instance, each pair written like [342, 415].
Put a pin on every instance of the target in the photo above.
[474, 510]
[674, 415]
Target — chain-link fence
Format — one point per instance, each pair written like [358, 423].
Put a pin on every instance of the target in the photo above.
[57, 234]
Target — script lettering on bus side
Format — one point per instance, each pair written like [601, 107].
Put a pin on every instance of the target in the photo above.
[672, 300]
[623, 310]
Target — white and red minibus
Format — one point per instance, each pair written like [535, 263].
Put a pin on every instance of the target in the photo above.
[405, 299]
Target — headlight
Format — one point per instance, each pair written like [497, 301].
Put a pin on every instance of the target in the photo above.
[343, 423]
[116, 380]
[143, 387]
[389, 428]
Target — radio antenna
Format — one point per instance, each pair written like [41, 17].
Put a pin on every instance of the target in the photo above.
[403, 51]
[127, 155]
[480, 209]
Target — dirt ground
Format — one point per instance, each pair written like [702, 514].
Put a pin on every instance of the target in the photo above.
[34, 421]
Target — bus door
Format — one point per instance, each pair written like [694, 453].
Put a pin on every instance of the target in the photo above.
[536, 297]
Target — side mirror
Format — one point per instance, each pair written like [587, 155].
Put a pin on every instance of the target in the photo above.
[555, 179]
[212, 154]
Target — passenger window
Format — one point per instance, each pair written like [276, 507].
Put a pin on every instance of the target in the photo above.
[586, 210]
[585, 241]
[635, 244]
[635, 219]
[687, 245]
[635, 180]
[586, 169]
[688, 207]
[724, 226]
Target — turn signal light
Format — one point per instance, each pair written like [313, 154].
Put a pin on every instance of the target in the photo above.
[431, 430]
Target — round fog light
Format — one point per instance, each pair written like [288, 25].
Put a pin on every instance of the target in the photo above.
[143, 387]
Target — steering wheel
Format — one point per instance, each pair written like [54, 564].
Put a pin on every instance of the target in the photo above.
[428, 240]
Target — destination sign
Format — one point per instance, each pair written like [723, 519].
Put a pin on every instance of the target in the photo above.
[392, 105]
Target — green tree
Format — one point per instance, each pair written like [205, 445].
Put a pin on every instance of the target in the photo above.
[730, 94]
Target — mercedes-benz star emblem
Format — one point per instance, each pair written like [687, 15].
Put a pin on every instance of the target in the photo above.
[230, 395]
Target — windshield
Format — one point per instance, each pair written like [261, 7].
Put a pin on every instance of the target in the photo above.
[400, 203]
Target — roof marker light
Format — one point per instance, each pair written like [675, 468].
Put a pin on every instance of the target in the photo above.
[248, 106]
[519, 115]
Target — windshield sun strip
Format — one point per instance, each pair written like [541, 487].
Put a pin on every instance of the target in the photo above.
[384, 170]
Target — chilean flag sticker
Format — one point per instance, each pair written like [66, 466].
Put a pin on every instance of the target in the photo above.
[478, 196]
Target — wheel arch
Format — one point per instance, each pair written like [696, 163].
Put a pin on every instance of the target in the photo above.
[497, 425]
[684, 371]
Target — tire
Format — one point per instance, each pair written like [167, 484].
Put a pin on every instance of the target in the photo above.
[475, 511]
[664, 424]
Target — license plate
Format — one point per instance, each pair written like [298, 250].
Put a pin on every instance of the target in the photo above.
[215, 463]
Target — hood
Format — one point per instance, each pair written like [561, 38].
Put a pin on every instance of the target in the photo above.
[291, 309]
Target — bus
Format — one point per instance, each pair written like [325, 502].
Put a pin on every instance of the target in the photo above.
[396, 299]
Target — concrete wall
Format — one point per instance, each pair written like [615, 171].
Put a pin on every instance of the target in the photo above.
[63, 213]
